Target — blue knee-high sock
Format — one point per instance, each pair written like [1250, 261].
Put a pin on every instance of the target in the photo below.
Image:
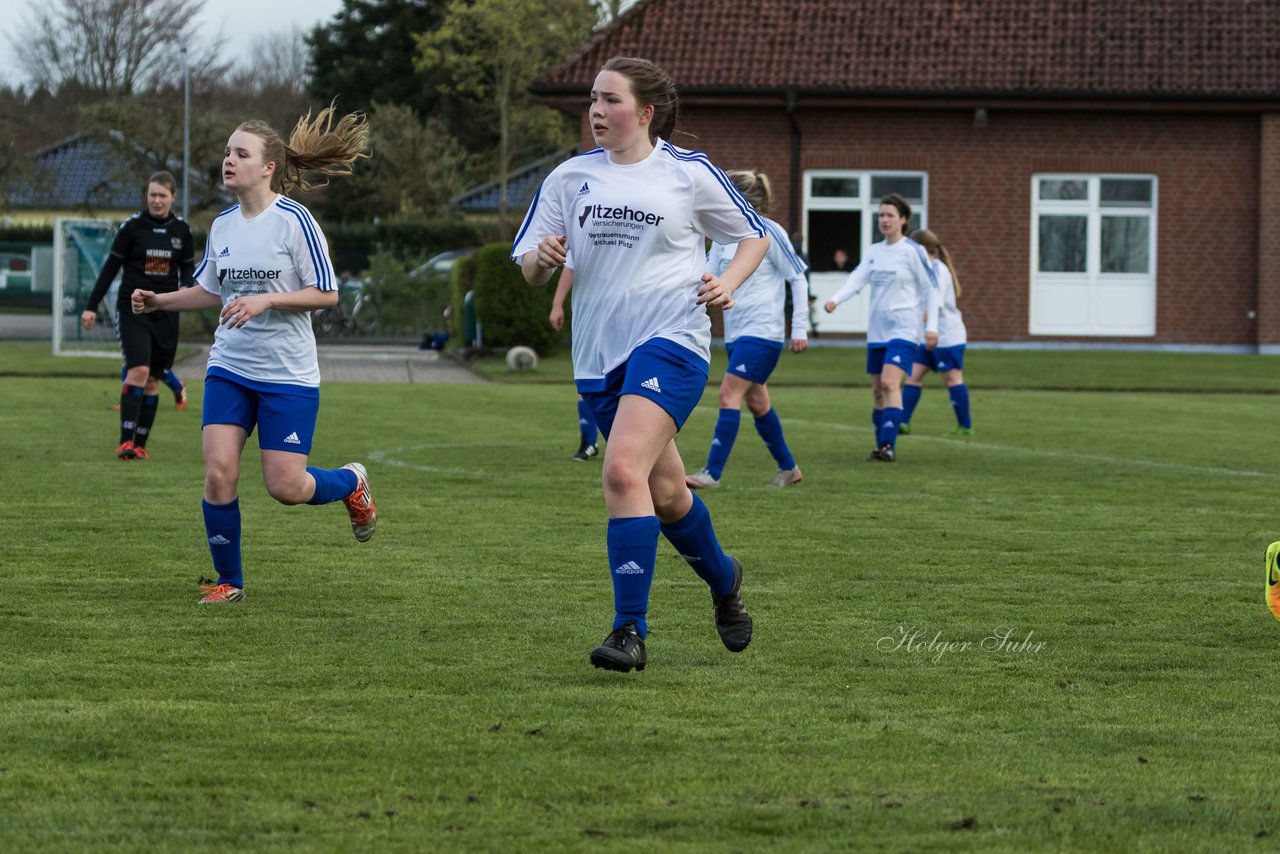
[222, 525]
[910, 398]
[877, 415]
[587, 423]
[633, 551]
[722, 442]
[124, 373]
[769, 426]
[888, 433]
[170, 379]
[960, 403]
[695, 540]
[332, 484]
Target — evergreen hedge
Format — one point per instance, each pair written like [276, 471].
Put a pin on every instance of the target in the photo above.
[511, 311]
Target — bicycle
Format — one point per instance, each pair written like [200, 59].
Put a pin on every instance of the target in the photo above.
[356, 314]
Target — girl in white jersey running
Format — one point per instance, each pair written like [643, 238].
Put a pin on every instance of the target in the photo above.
[634, 213]
[267, 265]
[754, 335]
[903, 289]
[948, 357]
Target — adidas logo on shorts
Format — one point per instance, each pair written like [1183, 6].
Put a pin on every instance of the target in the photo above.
[742, 367]
[652, 385]
[292, 439]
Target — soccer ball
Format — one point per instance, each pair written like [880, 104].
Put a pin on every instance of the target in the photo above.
[522, 359]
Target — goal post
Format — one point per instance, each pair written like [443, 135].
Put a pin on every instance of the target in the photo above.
[70, 267]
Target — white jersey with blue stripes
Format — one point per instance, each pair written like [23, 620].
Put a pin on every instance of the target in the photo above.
[636, 232]
[281, 250]
[761, 301]
[951, 331]
[904, 292]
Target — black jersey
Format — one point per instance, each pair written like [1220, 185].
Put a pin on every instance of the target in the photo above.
[156, 254]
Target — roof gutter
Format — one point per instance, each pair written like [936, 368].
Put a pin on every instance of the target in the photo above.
[830, 97]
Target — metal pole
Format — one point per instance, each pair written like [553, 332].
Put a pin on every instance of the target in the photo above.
[186, 133]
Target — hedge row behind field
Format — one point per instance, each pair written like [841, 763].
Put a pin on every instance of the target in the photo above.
[351, 245]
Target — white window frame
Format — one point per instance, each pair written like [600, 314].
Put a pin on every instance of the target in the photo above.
[852, 316]
[1092, 302]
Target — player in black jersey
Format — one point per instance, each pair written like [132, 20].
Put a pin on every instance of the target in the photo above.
[156, 252]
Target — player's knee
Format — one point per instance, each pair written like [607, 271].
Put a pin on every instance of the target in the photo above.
[220, 482]
[620, 478]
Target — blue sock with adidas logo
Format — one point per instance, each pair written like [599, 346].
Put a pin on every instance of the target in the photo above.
[910, 398]
[222, 526]
[960, 403]
[889, 421]
[877, 415]
[695, 540]
[587, 423]
[769, 426]
[722, 442]
[633, 551]
[332, 484]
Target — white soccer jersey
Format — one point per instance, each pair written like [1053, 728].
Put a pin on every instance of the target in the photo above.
[636, 234]
[951, 331]
[903, 290]
[760, 301]
[279, 251]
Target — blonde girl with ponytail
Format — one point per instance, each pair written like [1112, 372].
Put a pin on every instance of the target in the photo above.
[266, 266]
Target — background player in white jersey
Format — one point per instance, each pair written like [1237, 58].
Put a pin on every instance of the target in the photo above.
[948, 357]
[589, 432]
[754, 334]
[633, 212]
[267, 265]
[903, 289]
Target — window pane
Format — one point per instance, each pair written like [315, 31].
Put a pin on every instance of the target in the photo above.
[1067, 191]
[1126, 243]
[909, 187]
[835, 188]
[1126, 192]
[1063, 244]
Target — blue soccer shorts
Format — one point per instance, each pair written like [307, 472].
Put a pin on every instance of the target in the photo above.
[897, 352]
[284, 414]
[660, 370]
[753, 358]
[942, 359]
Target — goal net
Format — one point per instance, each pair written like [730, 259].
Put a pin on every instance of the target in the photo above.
[71, 265]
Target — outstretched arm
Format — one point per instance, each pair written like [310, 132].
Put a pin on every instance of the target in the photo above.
[145, 302]
[557, 301]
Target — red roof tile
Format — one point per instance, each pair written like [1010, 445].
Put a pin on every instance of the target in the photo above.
[1033, 48]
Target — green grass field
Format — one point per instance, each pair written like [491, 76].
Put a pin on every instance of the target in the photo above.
[1049, 637]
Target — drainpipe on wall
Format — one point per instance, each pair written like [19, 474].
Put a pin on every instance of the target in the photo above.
[794, 225]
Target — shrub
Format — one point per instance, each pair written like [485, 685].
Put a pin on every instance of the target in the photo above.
[511, 312]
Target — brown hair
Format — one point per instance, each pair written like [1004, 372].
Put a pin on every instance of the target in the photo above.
[165, 179]
[933, 246]
[315, 145]
[652, 87]
[754, 186]
[904, 209]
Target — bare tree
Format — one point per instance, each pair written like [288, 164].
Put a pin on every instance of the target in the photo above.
[113, 47]
[279, 66]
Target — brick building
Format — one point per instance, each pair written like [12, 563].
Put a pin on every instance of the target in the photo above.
[1103, 171]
